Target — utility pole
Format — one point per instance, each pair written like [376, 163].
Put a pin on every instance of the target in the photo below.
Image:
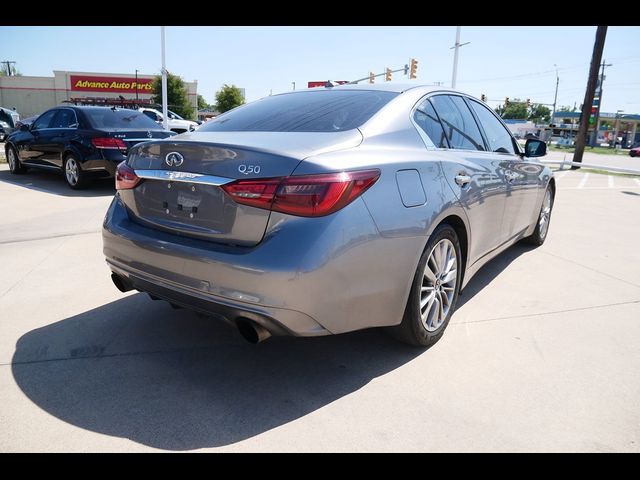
[598, 94]
[294, 85]
[598, 47]
[165, 121]
[136, 86]
[8, 64]
[455, 56]
[555, 98]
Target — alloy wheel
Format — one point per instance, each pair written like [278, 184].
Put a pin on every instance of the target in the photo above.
[71, 170]
[545, 214]
[438, 284]
[11, 158]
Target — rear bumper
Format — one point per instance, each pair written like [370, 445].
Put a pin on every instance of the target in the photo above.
[103, 162]
[307, 277]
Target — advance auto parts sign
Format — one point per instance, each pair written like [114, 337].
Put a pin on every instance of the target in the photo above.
[110, 84]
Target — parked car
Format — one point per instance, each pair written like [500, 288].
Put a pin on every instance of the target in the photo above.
[83, 142]
[8, 120]
[328, 210]
[25, 121]
[175, 122]
[565, 142]
[634, 152]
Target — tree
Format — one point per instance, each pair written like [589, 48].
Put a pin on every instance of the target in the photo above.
[228, 97]
[202, 103]
[565, 108]
[515, 109]
[177, 97]
[539, 114]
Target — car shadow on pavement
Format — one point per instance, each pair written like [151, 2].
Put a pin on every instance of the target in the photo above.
[54, 182]
[491, 270]
[138, 369]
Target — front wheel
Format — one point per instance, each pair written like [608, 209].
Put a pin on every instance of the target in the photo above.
[73, 173]
[15, 165]
[539, 235]
[434, 291]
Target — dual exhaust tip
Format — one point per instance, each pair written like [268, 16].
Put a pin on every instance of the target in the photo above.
[251, 331]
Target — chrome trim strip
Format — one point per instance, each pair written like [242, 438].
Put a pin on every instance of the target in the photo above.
[174, 176]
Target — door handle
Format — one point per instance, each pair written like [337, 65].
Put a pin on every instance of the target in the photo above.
[462, 180]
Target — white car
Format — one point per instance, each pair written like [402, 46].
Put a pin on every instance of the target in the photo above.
[175, 122]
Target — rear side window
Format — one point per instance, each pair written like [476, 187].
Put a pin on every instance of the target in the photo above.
[312, 111]
[427, 119]
[44, 120]
[121, 119]
[498, 137]
[64, 119]
[152, 115]
[460, 127]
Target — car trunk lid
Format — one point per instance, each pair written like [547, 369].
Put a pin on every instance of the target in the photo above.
[181, 190]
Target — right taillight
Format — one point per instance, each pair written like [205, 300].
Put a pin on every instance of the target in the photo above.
[126, 177]
[303, 195]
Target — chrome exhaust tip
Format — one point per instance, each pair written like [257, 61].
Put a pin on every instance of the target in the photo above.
[252, 331]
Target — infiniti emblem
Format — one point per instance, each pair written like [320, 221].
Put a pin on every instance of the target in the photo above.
[174, 159]
[149, 134]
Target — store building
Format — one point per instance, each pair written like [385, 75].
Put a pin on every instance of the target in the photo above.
[621, 128]
[33, 95]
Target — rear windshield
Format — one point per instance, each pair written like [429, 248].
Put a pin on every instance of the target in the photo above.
[312, 111]
[122, 119]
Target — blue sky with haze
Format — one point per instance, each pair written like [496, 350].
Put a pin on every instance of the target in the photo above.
[499, 61]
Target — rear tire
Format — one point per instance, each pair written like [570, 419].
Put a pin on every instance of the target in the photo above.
[73, 174]
[539, 235]
[434, 291]
[15, 165]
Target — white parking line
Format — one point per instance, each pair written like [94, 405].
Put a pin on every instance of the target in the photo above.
[610, 182]
[583, 181]
[637, 181]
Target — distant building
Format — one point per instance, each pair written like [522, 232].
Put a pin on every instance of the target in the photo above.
[33, 95]
[611, 127]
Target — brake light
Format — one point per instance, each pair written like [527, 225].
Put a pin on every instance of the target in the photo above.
[109, 143]
[303, 195]
[126, 177]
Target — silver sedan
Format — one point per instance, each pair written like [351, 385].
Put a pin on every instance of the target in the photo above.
[328, 210]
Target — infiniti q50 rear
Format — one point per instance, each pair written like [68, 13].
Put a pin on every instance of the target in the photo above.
[327, 210]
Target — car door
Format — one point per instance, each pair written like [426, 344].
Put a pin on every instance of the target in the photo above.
[474, 173]
[522, 176]
[63, 126]
[34, 150]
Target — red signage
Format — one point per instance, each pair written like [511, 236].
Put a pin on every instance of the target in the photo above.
[110, 84]
[323, 83]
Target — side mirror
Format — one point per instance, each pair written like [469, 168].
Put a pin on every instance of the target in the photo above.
[25, 127]
[535, 148]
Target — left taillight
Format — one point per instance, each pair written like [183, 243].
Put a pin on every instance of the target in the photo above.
[303, 195]
[109, 143]
[126, 177]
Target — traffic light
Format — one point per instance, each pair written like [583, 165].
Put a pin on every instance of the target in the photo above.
[506, 101]
[528, 102]
[592, 116]
[387, 76]
[412, 68]
[372, 77]
[483, 97]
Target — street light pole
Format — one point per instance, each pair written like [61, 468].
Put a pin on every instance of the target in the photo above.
[136, 86]
[455, 56]
[555, 98]
[294, 85]
[165, 123]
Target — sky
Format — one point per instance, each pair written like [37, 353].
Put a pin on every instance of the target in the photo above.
[514, 62]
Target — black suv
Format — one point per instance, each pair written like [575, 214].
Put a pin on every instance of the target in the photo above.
[83, 142]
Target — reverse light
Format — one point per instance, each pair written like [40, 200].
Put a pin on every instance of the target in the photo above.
[126, 177]
[303, 195]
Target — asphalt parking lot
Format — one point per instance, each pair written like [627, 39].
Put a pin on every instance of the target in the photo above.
[543, 353]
